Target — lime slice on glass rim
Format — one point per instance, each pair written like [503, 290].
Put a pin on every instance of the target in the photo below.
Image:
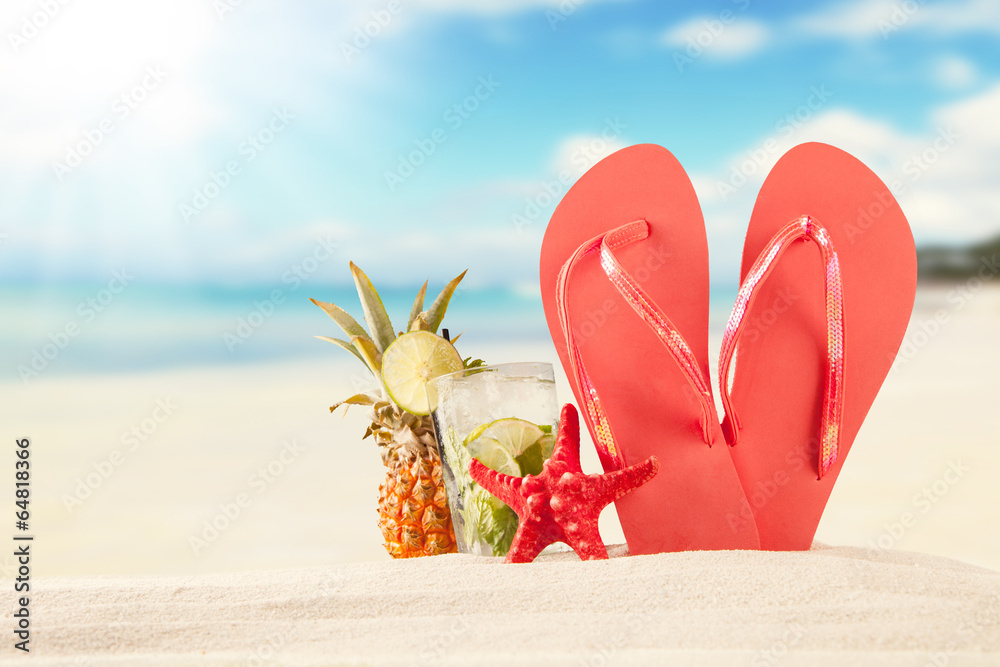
[412, 361]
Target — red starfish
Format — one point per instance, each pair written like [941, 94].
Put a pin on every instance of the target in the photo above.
[561, 504]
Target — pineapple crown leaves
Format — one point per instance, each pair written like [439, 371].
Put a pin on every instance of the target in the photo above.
[435, 314]
[368, 345]
[358, 399]
[371, 303]
[416, 311]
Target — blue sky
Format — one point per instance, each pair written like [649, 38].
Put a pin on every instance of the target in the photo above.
[310, 128]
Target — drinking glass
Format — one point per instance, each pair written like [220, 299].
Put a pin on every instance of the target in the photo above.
[504, 415]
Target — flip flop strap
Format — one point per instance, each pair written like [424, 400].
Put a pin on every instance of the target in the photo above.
[807, 229]
[637, 298]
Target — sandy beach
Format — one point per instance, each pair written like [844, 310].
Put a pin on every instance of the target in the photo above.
[828, 606]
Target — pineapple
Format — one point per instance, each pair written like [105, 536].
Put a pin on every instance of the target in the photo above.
[412, 504]
[413, 509]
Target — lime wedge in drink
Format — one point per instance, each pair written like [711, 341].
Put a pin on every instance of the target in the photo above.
[516, 435]
[547, 443]
[494, 456]
[531, 460]
[413, 360]
[476, 432]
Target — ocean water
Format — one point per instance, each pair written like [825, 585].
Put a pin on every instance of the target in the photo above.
[56, 329]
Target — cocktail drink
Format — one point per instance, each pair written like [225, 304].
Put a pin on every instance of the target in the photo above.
[505, 416]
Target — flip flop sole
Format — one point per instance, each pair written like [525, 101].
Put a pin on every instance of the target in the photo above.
[778, 382]
[647, 398]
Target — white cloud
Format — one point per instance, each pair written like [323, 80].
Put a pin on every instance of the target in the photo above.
[740, 39]
[704, 187]
[976, 154]
[954, 17]
[851, 20]
[883, 18]
[715, 38]
[578, 153]
[954, 72]
[856, 20]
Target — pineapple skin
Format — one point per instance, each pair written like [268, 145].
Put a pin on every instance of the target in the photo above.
[414, 516]
[413, 510]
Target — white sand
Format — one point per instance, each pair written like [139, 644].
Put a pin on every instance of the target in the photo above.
[829, 606]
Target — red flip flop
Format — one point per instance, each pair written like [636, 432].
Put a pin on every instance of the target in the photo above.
[624, 276]
[827, 287]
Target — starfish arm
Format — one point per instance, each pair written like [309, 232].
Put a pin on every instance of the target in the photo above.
[528, 543]
[567, 450]
[504, 487]
[586, 541]
[611, 486]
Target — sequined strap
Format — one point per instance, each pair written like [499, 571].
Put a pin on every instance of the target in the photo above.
[807, 229]
[593, 410]
[629, 288]
[657, 320]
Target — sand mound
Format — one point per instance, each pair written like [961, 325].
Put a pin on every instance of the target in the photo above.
[825, 606]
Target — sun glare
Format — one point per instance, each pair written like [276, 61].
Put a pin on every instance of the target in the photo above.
[70, 54]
